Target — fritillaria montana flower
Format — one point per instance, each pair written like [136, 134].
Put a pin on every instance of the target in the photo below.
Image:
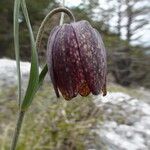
[76, 59]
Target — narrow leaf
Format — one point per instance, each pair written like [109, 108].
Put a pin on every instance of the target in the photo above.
[42, 75]
[34, 70]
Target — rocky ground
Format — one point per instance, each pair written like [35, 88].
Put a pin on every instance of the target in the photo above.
[125, 113]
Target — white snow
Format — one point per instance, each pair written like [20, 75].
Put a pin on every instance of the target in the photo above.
[8, 72]
[134, 133]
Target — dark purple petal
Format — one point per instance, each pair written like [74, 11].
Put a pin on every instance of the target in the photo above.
[79, 84]
[61, 67]
[67, 65]
[91, 54]
[50, 45]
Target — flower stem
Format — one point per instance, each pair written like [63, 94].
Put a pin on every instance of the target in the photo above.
[17, 130]
[45, 22]
[62, 14]
[16, 44]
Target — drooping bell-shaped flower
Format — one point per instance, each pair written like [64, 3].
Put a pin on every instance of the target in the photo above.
[76, 59]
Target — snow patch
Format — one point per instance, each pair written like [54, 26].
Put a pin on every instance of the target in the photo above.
[126, 123]
[8, 72]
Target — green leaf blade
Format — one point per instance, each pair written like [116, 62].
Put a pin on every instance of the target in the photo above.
[34, 70]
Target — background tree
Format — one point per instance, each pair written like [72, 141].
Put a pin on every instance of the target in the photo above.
[119, 15]
[37, 9]
[137, 14]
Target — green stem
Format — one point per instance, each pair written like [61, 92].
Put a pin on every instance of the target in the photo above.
[17, 130]
[16, 44]
[16, 39]
[17, 53]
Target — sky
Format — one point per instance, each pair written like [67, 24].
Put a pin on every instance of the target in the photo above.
[70, 3]
[144, 40]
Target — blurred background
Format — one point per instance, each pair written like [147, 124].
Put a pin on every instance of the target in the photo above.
[119, 121]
